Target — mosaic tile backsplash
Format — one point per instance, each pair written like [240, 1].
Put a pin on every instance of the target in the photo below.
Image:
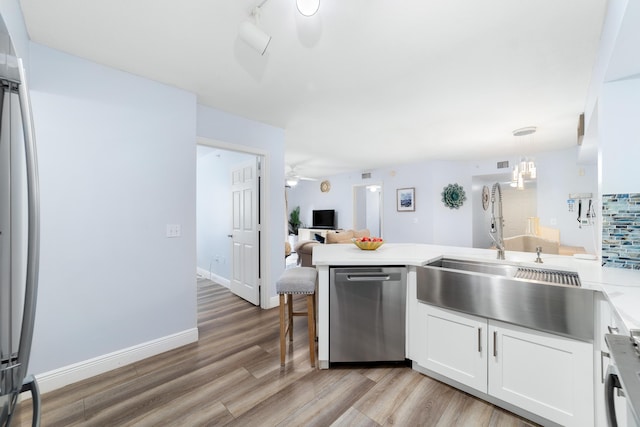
[621, 230]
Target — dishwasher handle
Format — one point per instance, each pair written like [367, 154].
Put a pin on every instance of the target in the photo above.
[369, 277]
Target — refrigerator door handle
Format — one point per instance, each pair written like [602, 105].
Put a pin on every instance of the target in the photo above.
[33, 249]
[30, 384]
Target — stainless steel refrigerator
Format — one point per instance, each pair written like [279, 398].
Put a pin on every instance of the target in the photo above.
[19, 234]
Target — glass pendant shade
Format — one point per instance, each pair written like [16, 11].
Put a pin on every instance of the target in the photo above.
[308, 7]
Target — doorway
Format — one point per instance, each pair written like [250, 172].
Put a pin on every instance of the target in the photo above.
[517, 207]
[367, 208]
[215, 221]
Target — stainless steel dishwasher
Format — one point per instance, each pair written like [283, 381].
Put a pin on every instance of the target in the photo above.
[367, 307]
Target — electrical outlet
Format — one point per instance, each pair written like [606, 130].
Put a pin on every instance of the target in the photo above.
[173, 230]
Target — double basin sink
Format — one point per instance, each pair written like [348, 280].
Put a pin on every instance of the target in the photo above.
[536, 298]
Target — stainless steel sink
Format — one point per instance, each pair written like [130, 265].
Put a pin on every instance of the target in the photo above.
[547, 300]
[532, 274]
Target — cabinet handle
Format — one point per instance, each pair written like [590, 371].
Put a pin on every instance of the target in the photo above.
[603, 354]
[612, 329]
[479, 340]
[495, 344]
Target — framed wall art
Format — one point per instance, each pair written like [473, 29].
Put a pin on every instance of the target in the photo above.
[406, 199]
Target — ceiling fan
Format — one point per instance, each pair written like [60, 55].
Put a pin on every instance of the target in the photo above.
[292, 177]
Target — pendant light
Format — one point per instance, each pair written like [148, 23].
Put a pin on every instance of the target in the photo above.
[527, 167]
[308, 7]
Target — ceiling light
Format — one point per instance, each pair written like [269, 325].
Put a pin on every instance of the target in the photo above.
[254, 36]
[292, 181]
[308, 7]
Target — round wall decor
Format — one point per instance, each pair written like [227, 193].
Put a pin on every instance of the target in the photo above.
[485, 197]
[453, 196]
[325, 186]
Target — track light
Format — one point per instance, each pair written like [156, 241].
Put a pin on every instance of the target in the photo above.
[254, 36]
[308, 7]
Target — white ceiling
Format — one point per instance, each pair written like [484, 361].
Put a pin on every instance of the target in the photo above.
[363, 83]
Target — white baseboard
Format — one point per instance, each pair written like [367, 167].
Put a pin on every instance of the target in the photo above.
[213, 276]
[66, 375]
[274, 302]
[220, 280]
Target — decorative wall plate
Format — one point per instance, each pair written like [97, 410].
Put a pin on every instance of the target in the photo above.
[453, 196]
[485, 197]
[325, 186]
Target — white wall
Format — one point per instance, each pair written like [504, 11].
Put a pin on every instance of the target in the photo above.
[619, 110]
[559, 175]
[215, 125]
[117, 164]
[213, 210]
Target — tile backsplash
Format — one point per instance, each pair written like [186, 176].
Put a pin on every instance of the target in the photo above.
[621, 230]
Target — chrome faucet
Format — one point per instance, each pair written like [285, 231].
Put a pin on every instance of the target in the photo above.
[538, 252]
[497, 222]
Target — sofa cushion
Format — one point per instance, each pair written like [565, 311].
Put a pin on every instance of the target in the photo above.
[361, 233]
[339, 236]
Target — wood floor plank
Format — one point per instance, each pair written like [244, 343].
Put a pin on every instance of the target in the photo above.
[465, 410]
[232, 376]
[331, 402]
[354, 418]
[424, 405]
[388, 394]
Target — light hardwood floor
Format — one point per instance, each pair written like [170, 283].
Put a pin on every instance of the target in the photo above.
[232, 376]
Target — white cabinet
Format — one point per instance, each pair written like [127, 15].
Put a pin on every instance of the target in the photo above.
[455, 346]
[542, 373]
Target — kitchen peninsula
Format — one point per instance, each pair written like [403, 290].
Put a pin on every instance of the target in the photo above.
[616, 302]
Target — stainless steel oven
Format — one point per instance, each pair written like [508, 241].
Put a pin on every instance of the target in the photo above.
[623, 376]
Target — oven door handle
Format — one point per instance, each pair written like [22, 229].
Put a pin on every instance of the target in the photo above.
[611, 383]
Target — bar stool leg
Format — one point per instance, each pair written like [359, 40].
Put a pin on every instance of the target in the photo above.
[312, 328]
[290, 307]
[282, 330]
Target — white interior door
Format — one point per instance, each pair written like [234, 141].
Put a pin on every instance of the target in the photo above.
[245, 280]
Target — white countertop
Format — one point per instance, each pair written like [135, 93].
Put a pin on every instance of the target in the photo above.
[620, 286]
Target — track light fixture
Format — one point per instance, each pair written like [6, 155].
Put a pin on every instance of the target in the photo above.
[253, 35]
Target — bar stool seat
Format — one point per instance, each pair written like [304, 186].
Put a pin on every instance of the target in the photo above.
[298, 280]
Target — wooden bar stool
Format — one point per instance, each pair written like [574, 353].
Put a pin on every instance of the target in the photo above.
[299, 280]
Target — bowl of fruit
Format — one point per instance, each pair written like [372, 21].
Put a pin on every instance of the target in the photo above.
[368, 243]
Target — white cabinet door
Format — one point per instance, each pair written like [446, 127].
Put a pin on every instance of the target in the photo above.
[455, 346]
[546, 374]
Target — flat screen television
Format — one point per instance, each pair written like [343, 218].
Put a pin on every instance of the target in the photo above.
[325, 218]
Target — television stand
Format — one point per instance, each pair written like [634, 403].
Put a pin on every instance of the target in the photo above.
[309, 233]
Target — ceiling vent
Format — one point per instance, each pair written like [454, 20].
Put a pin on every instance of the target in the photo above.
[503, 165]
[366, 175]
